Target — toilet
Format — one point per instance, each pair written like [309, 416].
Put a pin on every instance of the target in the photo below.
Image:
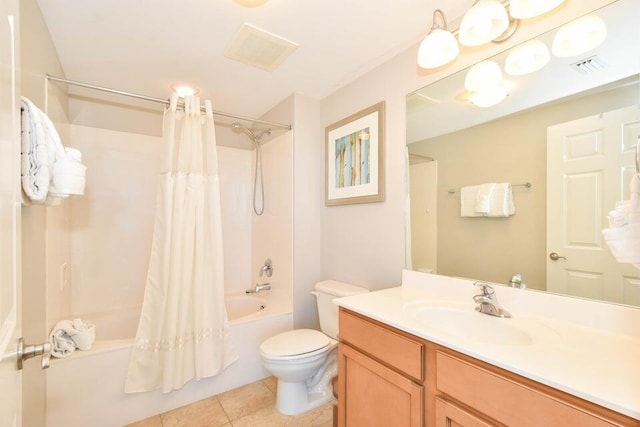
[305, 360]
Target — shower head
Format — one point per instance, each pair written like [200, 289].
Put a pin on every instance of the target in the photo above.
[255, 137]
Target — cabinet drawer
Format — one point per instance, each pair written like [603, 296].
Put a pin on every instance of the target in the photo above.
[505, 400]
[389, 347]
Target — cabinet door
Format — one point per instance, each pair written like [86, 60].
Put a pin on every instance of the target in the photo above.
[449, 415]
[370, 394]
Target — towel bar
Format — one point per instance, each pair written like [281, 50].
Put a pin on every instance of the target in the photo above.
[525, 184]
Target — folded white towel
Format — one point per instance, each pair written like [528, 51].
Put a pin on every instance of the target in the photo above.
[483, 198]
[50, 171]
[468, 201]
[60, 338]
[34, 152]
[84, 334]
[501, 201]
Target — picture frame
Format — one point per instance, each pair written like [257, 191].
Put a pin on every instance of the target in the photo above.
[354, 162]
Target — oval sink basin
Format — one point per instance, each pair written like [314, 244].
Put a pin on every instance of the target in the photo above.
[470, 324]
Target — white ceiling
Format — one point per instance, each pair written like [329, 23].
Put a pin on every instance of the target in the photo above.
[144, 46]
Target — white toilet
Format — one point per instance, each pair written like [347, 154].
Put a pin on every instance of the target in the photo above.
[305, 360]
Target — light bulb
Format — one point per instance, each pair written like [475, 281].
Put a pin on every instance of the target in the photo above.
[251, 3]
[482, 75]
[183, 90]
[438, 48]
[526, 58]
[525, 9]
[579, 36]
[486, 20]
[491, 96]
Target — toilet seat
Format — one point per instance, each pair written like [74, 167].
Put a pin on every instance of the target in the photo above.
[296, 344]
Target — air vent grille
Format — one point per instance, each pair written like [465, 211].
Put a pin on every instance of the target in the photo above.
[259, 48]
[589, 65]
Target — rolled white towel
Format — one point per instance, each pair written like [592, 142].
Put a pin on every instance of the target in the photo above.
[84, 334]
[60, 338]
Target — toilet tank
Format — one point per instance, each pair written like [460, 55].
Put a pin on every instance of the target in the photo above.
[325, 293]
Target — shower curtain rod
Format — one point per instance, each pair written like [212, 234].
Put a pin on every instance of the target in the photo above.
[161, 101]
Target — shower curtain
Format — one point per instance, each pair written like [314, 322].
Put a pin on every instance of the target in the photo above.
[182, 333]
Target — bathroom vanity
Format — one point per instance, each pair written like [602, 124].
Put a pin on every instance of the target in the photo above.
[419, 355]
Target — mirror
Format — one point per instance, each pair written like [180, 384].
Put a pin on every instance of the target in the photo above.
[580, 111]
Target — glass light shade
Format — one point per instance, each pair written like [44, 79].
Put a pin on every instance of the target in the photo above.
[485, 21]
[251, 3]
[491, 96]
[183, 91]
[579, 36]
[438, 48]
[527, 58]
[524, 9]
[485, 74]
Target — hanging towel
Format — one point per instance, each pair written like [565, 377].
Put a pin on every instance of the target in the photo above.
[468, 197]
[483, 198]
[49, 172]
[501, 201]
[623, 234]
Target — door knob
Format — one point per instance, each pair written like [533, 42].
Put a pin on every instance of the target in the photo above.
[554, 256]
[26, 352]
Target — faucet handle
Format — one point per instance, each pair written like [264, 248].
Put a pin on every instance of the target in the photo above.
[485, 287]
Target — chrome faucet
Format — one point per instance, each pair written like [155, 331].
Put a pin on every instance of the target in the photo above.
[516, 282]
[488, 301]
[258, 288]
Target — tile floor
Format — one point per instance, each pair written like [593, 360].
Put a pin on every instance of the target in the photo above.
[252, 405]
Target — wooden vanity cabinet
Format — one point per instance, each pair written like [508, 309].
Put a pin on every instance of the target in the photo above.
[390, 378]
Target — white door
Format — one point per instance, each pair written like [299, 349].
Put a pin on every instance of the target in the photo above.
[424, 214]
[590, 162]
[10, 316]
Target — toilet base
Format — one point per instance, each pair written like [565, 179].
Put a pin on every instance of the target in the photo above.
[294, 398]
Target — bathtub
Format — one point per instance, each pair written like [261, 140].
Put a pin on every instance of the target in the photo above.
[86, 389]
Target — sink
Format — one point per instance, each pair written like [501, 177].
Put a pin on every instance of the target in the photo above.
[464, 322]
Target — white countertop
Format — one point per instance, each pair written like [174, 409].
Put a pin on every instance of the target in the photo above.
[585, 348]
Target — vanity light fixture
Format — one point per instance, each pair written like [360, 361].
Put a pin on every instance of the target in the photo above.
[483, 75]
[524, 9]
[526, 58]
[439, 47]
[491, 96]
[579, 36]
[484, 22]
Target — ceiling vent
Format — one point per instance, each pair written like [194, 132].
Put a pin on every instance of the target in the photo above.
[589, 65]
[259, 48]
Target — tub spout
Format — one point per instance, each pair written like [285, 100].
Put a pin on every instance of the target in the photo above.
[258, 288]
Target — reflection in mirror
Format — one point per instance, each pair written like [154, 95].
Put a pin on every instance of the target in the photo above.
[570, 130]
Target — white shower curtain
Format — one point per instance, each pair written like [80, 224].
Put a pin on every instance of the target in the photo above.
[182, 334]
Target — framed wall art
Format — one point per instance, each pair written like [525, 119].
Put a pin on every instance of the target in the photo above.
[354, 167]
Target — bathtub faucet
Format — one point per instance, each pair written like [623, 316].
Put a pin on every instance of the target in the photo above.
[258, 288]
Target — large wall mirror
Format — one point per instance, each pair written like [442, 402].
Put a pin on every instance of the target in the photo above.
[564, 138]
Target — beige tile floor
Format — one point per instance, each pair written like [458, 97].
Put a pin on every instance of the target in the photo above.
[252, 405]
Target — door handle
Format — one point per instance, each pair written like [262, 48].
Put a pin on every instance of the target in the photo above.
[554, 256]
[26, 352]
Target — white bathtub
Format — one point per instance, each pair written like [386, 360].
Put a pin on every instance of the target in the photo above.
[86, 389]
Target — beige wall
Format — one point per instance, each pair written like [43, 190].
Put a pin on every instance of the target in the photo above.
[513, 150]
[365, 244]
[42, 228]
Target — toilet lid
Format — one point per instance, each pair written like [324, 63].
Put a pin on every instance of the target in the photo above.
[296, 342]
